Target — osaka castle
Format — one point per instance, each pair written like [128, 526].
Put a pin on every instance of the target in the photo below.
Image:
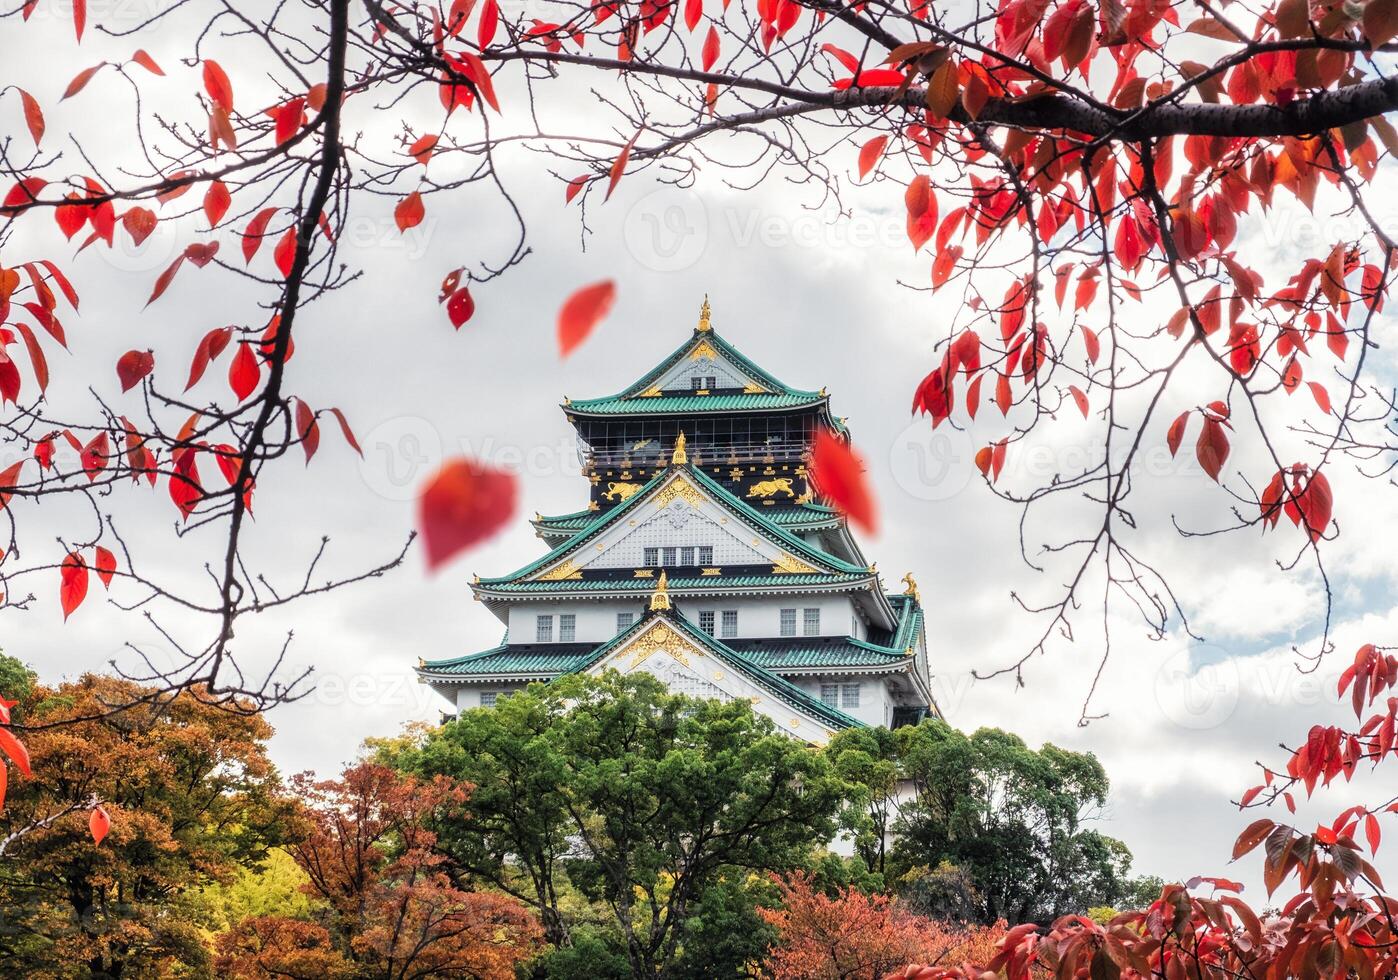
[705, 557]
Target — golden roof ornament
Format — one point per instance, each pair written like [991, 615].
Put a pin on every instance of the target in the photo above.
[704, 325]
[660, 598]
[911, 589]
[679, 457]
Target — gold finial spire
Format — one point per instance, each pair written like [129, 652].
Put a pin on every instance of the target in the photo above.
[679, 456]
[911, 589]
[704, 325]
[660, 598]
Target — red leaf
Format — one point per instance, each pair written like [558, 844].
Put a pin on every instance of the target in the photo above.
[93, 456]
[79, 18]
[1316, 503]
[575, 185]
[838, 471]
[139, 222]
[80, 81]
[98, 824]
[15, 749]
[922, 210]
[147, 62]
[460, 307]
[104, 562]
[307, 429]
[490, 18]
[216, 201]
[209, 348]
[1080, 398]
[36, 355]
[581, 312]
[1321, 396]
[162, 283]
[422, 148]
[409, 212]
[619, 165]
[1371, 832]
[132, 366]
[244, 373]
[185, 489]
[869, 154]
[1175, 436]
[711, 48]
[288, 119]
[9, 479]
[346, 431]
[285, 252]
[693, 10]
[217, 85]
[72, 588]
[1093, 345]
[24, 192]
[255, 232]
[1212, 447]
[33, 116]
[464, 503]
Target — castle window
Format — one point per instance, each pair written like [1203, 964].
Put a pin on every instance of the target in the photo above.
[730, 623]
[706, 554]
[686, 556]
[624, 621]
[668, 556]
[543, 629]
[567, 627]
[788, 622]
[810, 622]
[830, 694]
[652, 556]
[695, 383]
[706, 621]
[488, 698]
[849, 695]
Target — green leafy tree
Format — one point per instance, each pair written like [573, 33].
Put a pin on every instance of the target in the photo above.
[1003, 823]
[643, 800]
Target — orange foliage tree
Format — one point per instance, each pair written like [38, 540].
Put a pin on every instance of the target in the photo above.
[853, 936]
[370, 854]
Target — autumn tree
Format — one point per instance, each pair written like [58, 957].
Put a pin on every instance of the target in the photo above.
[854, 936]
[644, 800]
[122, 821]
[369, 853]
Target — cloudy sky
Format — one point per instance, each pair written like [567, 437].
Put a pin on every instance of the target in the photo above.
[816, 299]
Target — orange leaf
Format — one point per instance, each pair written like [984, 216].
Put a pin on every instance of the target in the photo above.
[619, 165]
[869, 154]
[33, 116]
[98, 824]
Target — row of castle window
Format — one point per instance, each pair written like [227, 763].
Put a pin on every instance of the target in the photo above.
[725, 620]
[840, 695]
[703, 382]
[681, 557]
[567, 628]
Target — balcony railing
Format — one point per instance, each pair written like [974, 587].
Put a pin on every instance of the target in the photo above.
[649, 452]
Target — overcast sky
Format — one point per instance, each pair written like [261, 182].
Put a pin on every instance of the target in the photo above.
[815, 300]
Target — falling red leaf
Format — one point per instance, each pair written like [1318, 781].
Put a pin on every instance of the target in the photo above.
[839, 473]
[581, 312]
[619, 165]
[72, 588]
[98, 824]
[462, 505]
[132, 366]
[244, 373]
[105, 564]
[409, 212]
[33, 116]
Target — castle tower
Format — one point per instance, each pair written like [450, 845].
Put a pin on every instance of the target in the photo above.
[705, 558]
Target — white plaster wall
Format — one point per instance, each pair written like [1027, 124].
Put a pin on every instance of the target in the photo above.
[875, 701]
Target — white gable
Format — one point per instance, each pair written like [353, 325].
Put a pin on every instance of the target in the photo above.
[705, 361]
[687, 668]
[678, 515]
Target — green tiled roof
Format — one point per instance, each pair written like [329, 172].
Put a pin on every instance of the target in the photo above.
[685, 404]
[740, 508]
[802, 517]
[834, 653]
[533, 660]
[708, 583]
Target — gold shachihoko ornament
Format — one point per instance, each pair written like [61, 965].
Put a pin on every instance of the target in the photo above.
[660, 598]
[679, 456]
